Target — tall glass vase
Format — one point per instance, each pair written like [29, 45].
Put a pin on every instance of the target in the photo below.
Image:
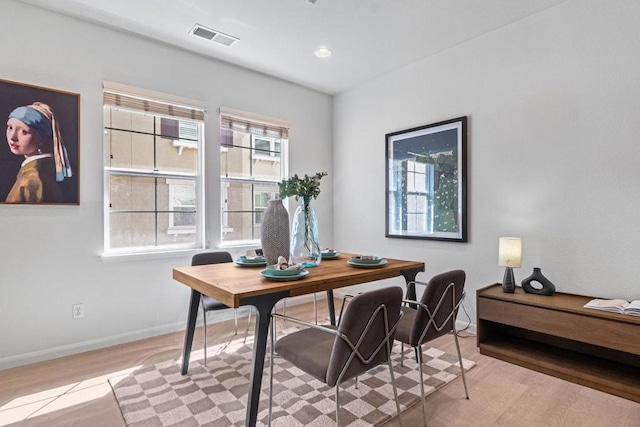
[305, 247]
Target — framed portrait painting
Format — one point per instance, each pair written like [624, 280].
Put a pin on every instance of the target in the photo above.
[426, 188]
[39, 154]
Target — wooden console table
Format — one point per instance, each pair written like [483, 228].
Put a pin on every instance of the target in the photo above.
[556, 335]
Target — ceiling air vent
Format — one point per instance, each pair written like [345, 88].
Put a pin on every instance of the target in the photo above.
[213, 35]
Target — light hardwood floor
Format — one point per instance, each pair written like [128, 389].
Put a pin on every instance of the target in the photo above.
[73, 391]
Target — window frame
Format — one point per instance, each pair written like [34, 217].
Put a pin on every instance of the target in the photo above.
[412, 176]
[179, 229]
[225, 183]
[267, 155]
[254, 123]
[197, 177]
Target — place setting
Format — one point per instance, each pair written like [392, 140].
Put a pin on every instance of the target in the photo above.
[252, 258]
[329, 254]
[283, 272]
[366, 261]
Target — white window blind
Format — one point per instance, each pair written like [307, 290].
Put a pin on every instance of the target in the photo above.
[236, 120]
[131, 98]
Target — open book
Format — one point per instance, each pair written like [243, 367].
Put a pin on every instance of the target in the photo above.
[615, 306]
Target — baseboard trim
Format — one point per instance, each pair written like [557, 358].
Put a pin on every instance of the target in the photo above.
[84, 346]
[98, 343]
[108, 341]
[462, 326]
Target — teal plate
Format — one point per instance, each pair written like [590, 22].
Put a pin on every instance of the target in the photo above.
[275, 272]
[332, 255]
[358, 264]
[374, 260]
[244, 262]
[268, 274]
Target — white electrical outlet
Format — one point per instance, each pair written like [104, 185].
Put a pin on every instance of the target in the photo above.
[78, 311]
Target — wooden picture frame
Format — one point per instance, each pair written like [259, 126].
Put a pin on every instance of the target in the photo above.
[40, 187]
[426, 186]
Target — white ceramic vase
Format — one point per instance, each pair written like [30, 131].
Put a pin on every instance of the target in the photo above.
[274, 235]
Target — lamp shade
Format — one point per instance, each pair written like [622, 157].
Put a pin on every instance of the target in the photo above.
[510, 252]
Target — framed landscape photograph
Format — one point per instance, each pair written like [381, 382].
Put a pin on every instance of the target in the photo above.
[39, 154]
[426, 192]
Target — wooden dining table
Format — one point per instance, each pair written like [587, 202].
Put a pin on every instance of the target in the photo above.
[236, 285]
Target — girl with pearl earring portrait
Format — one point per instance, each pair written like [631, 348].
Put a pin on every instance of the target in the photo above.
[33, 132]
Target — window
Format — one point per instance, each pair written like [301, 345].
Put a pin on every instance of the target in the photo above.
[152, 173]
[266, 148]
[419, 180]
[252, 163]
[182, 207]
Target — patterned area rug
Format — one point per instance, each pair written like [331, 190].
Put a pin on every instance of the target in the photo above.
[216, 395]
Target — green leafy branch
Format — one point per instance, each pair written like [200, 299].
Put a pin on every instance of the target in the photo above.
[306, 187]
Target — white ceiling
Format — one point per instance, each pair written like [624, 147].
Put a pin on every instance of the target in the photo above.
[277, 37]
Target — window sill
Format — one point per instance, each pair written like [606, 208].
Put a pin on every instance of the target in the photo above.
[178, 230]
[141, 256]
[244, 244]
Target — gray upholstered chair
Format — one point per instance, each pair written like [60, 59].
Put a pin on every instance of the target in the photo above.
[361, 341]
[433, 316]
[211, 304]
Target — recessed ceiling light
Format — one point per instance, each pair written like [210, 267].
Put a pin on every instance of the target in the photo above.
[322, 52]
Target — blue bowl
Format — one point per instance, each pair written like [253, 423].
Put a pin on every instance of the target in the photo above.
[271, 270]
[257, 260]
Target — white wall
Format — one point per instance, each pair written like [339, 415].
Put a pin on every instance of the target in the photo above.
[554, 157]
[50, 255]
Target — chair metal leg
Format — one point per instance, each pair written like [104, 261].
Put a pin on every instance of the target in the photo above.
[273, 341]
[246, 331]
[315, 307]
[204, 318]
[424, 406]
[393, 383]
[235, 319]
[464, 381]
[274, 321]
[402, 354]
[284, 313]
[337, 406]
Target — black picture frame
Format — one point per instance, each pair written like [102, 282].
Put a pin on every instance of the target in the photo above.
[66, 108]
[426, 185]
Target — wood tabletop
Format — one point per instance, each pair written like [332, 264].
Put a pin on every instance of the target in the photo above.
[229, 282]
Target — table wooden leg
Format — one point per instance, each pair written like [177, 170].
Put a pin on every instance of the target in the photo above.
[191, 327]
[264, 305]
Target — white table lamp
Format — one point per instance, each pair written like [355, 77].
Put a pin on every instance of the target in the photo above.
[509, 256]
